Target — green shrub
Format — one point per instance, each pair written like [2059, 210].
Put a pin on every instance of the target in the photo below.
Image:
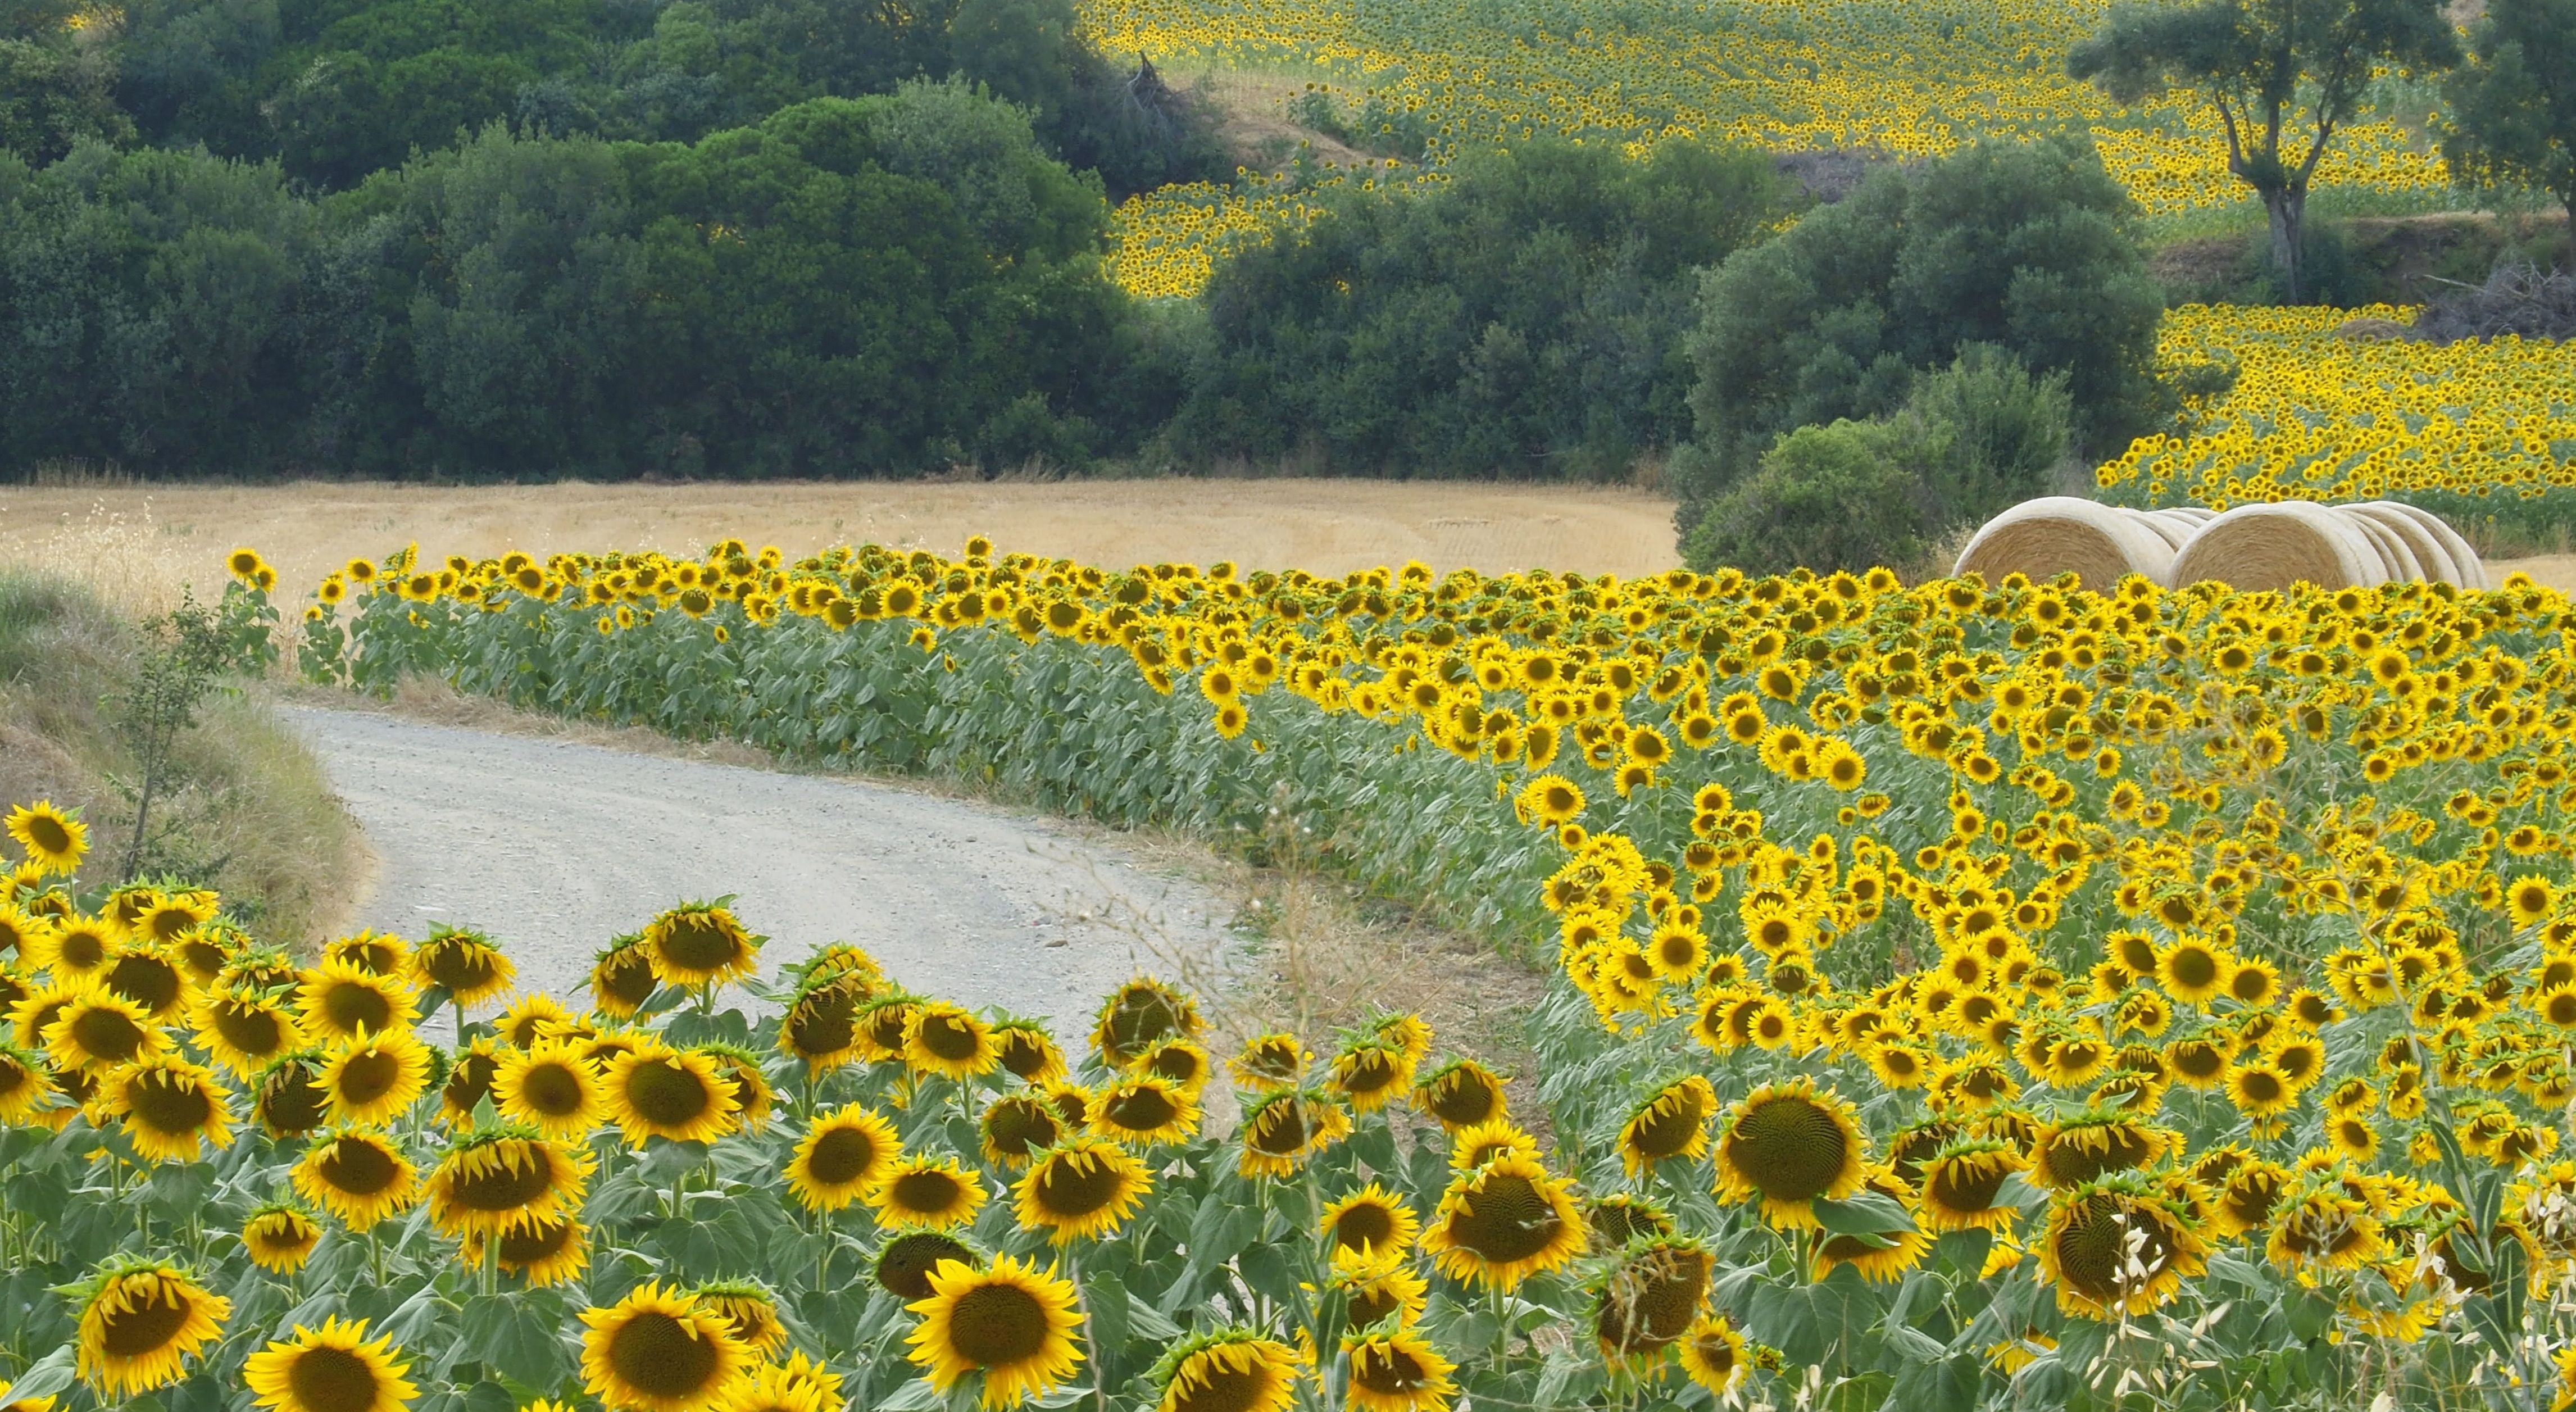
[1827, 497]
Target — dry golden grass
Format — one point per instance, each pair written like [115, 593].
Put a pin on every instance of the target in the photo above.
[137, 543]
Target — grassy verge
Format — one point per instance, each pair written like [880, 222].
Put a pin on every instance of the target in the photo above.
[246, 809]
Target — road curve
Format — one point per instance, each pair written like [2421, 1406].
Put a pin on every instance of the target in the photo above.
[554, 847]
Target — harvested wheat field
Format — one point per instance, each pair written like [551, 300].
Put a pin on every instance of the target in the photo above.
[137, 542]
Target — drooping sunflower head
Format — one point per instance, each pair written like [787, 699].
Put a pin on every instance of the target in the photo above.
[288, 1097]
[140, 1321]
[376, 953]
[1962, 1185]
[529, 1019]
[1786, 1145]
[1181, 1061]
[821, 1024]
[497, 1178]
[622, 978]
[880, 1025]
[24, 1088]
[903, 1265]
[1231, 1370]
[245, 1030]
[1500, 1223]
[1010, 1322]
[1881, 1256]
[1371, 1218]
[948, 1041]
[2074, 1150]
[2116, 1246]
[1081, 1189]
[742, 1074]
[341, 1002]
[1139, 1015]
[1397, 1370]
[1621, 1217]
[541, 1251]
[700, 943]
[1271, 1062]
[1461, 1094]
[1368, 1073]
[1648, 1301]
[1027, 1052]
[464, 963]
[1282, 1129]
[1670, 1125]
[280, 1236]
[927, 1193]
[359, 1175]
[658, 1350]
[1472, 1148]
[751, 1308]
[334, 1368]
[797, 1385]
[173, 1108]
[1016, 1127]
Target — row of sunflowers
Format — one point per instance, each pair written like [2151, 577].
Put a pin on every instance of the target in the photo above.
[1972, 995]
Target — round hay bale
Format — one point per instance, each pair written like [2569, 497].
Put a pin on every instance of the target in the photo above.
[2431, 555]
[2394, 554]
[2057, 533]
[2472, 569]
[2173, 529]
[2258, 547]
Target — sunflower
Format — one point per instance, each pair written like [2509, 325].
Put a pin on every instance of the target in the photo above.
[926, 1193]
[622, 979]
[903, 1264]
[2115, 1247]
[1885, 1256]
[358, 1175]
[700, 943]
[878, 1028]
[530, 1020]
[495, 1179]
[1651, 1297]
[741, 1071]
[1487, 1142]
[1281, 1130]
[1461, 1094]
[821, 1026]
[98, 1029]
[657, 1091]
[841, 1158]
[750, 1308]
[463, 963]
[1963, 1181]
[289, 1099]
[2259, 1090]
[1712, 1353]
[1026, 1051]
[342, 1002]
[23, 1086]
[53, 840]
[1143, 1110]
[659, 1350]
[1786, 1145]
[376, 953]
[2072, 1151]
[151, 978]
[1369, 1072]
[139, 1321]
[1620, 1218]
[1140, 1014]
[334, 1368]
[1672, 1124]
[547, 1086]
[2324, 1227]
[1181, 1061]
[280, 1237]
[1397, 1371]
[1270, 1063]
[1371, 1218]
[1082, 1189]
[375, 1078]
[1019, 1126]
[2191, 970]
[1231, 1370]
[948, 1041]
[1011, 1322]
[1503, 1222]
[173, 1109]
[244, 1031]
[539, 1251]
[1377, 1285]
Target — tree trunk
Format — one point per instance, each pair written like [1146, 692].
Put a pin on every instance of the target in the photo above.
[2288, 208]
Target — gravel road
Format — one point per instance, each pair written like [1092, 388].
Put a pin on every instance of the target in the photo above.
[554, 847]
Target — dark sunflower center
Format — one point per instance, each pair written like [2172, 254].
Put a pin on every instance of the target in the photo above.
[1667, 1127]
[1068, 1188]
[252, 1029]
[2112, 1149]
[351, 1006]
[2260, 1086]
[1214, 1387]
[1389, 1370]
[146, 1327]
[2250, 1198]
[1463, 1101]
[461, 968]
[471, 1082]
[2198, 1060]
[1364, 1225]
[332, 1380]
[698, 942]
[148, 981]
[83, 951]
[49, 834]
[294, 1103]
[1174, 1063]
[107, 1034]
[2093, 1251]
[1023, 1054]
[552, 1089]
[2194, 968]
[1370, 1305]
[1281, 1131]
[996, 1325]
[369, 1076]
[842, 1155]
[358, 1168]
[1790, 1147]
[667, 1094]
[1142, 1018]
[527, 1244]
[885, 1026]
[821, 1024]
[948, 1037]
[1504, 1218]
[660, 1356]
[626, 978]
[1652, 1302]
[1018, 1127]
[1368, 1071]
[1140, 1110]
[1966, 1184]
[505, 1185]
[929, 1193]
[168, 1103]
[904, 1266]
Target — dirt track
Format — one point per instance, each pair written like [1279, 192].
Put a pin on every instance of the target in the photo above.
[554, 847]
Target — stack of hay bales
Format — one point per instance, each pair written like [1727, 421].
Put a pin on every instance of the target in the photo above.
[2251, 548]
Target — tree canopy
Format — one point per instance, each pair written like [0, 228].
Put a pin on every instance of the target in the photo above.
[2513, 105]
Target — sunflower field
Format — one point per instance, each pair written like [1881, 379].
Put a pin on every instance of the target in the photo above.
[2468, 428]
[1969, 995]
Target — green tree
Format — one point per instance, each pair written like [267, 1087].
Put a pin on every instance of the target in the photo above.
[2513, 105]
[1827, 497]
[2284, 75]
[56, 88]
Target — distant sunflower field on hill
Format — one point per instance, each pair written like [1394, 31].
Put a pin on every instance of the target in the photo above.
[1966, 996]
